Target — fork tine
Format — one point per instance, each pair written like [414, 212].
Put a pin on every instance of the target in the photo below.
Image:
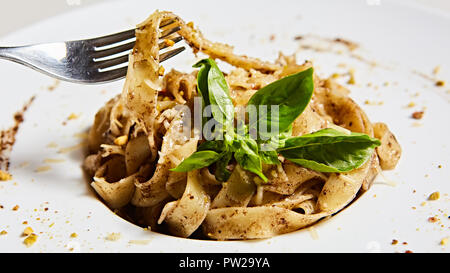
[121, 72]
[165, 33]
[128, 34]
[167, 22]
[169, 54]
[111, 62]
[118, 73]
[114, 50]
[123, 59]
[113, 38]
[163, 44]
[124, 48]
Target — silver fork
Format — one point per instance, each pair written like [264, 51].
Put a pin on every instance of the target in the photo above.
[90, 61]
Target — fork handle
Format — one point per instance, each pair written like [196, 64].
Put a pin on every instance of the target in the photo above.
[33, 56]
[18, 54]
[7, 53]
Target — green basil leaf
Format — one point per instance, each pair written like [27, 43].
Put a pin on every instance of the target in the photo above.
[329, 150]
[214, 90]
[290, 94]
[202, 81]
[214, 145]
[221, 173]
[247, 156]
[269, 157]
[197, 160]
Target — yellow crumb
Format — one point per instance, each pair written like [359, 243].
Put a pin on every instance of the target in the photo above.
[434, 196]
[72, 148]
[368, 102]
[16, 207]
[437, 69]
[27, 231]
[81, 135]
[42, 169]
[411, 104]
[444, 241]
[190, 24]
[53, 160]
[52, 145]
[352, 77]
[73, 116]
[139, 242]
[169, 42]
[30, 240]
[74, 235]
[161, 70]
[113, 236]
[4, 176]
[3, 232]
[122, 140]
[423, 203]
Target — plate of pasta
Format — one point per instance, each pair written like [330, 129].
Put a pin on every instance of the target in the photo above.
[265, 135]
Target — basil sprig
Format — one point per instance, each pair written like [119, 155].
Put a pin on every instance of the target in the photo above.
[327, 150]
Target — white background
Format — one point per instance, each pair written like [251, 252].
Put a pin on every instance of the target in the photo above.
[15, 14]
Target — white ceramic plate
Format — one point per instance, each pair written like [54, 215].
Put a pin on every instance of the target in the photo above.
[407, 43]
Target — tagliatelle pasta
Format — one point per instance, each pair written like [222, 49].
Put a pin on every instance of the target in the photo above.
[138, 137]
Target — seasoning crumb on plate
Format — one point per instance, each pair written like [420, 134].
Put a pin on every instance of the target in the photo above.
[30, 240]
[433, 219]
[4, 176]
[139, 242]
[411, 104]
[27, 231]
[417, 115]
[42, 169]
[54, 85]
[434, 196]
[437, 69]
[440, 83]
[113, 236]
[72, 116]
